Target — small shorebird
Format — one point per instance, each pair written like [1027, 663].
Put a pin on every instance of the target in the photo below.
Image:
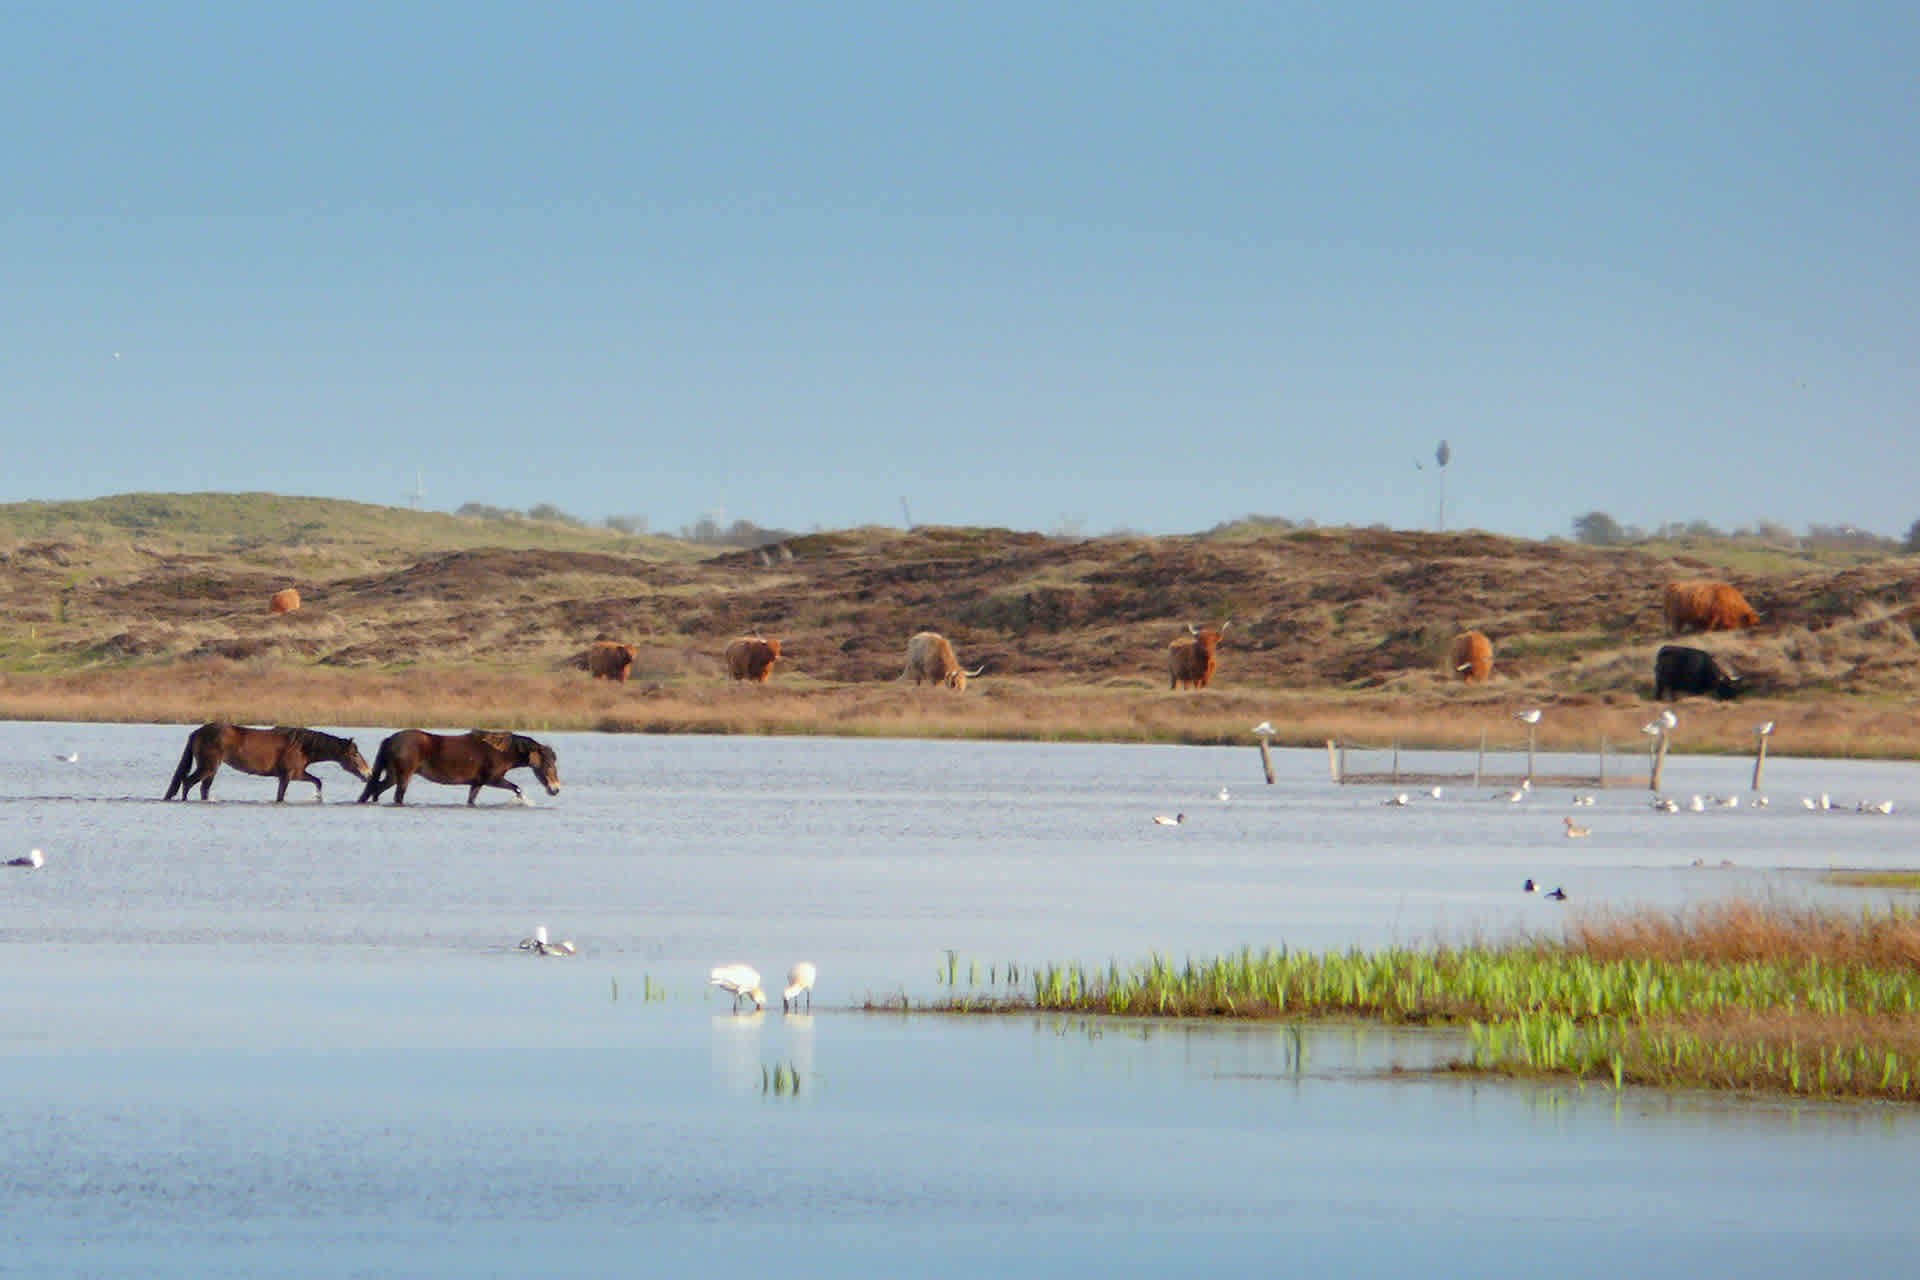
[742, 981]
[1529, 886]
[1225, 794]
[1696, 805]
[71, 757]
[799, 982]
[1396, 801]
[1513, 797]
[1581, 801]
[1666, 804]
[540, 945]
[1162, 820]
[1885, 806]
[1577, 832]
[1558, 895]
[32, 860]
[1437, 792]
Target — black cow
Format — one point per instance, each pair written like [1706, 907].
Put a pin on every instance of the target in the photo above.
[1680, 671]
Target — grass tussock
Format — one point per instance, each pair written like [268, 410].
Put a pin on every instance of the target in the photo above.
[1737, 996]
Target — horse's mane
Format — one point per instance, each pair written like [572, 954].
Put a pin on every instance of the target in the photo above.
[518, 745]
[312, 741]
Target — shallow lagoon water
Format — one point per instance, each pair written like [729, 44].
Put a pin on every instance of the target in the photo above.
[242, 1038]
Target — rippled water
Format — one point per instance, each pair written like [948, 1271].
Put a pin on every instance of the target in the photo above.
[244, 1039]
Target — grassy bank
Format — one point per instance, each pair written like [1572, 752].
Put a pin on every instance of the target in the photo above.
[1735, 996]
[268, 692]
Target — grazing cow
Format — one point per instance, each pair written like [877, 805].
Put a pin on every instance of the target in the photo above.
[1680, 671]
[606, 660]
[285, 601]
[1702, 605]
[1191, 660]
[1471, 657]
[930, 660]
[752, 658]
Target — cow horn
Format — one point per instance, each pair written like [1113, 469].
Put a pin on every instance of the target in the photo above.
[976, 671]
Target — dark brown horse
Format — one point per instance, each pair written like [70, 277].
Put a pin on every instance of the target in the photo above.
[282, 753]
[477, 759]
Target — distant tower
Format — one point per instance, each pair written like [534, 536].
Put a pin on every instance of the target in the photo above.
[906, 513]
[419, 493]
[1443, 456]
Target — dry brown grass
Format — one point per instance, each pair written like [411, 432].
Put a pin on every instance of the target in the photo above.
[1744, 932]
[1335, 633]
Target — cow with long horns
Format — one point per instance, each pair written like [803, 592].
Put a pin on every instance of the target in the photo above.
[1191, 660]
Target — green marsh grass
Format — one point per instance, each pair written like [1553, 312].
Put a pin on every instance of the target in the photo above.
[1736, 996]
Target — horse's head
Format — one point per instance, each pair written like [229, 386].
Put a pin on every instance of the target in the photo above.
[353, 762]
[540, 758]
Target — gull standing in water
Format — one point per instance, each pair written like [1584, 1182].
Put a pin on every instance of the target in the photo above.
[799, 982]
[742, 981]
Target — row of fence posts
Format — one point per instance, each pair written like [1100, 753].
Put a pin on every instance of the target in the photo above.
[1336, 756]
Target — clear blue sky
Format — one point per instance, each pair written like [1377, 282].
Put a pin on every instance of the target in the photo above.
[1146, 266]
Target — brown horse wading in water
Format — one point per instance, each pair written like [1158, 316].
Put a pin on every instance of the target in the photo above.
[474, 760]
[282, 753]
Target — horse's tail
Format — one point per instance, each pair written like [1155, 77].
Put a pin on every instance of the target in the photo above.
[378, 775]
[179, 782]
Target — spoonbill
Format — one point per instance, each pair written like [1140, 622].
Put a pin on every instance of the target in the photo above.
[742, 982]
[799, 982]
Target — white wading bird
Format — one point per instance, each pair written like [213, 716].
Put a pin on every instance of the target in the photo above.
[1529, 716]
[799, 982]
[1264, 728]
[1162, 820]
[1765, 729]
[742, 981]
[33, 860]
[1669, 720]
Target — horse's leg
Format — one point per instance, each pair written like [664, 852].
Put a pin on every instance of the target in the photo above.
[204, 776]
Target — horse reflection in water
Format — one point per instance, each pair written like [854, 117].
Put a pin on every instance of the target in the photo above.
[480, 758]
[281, 752]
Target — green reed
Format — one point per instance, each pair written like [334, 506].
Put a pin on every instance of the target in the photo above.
[1791, 1021]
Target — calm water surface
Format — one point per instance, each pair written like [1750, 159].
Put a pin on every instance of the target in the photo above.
[243, 1039]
